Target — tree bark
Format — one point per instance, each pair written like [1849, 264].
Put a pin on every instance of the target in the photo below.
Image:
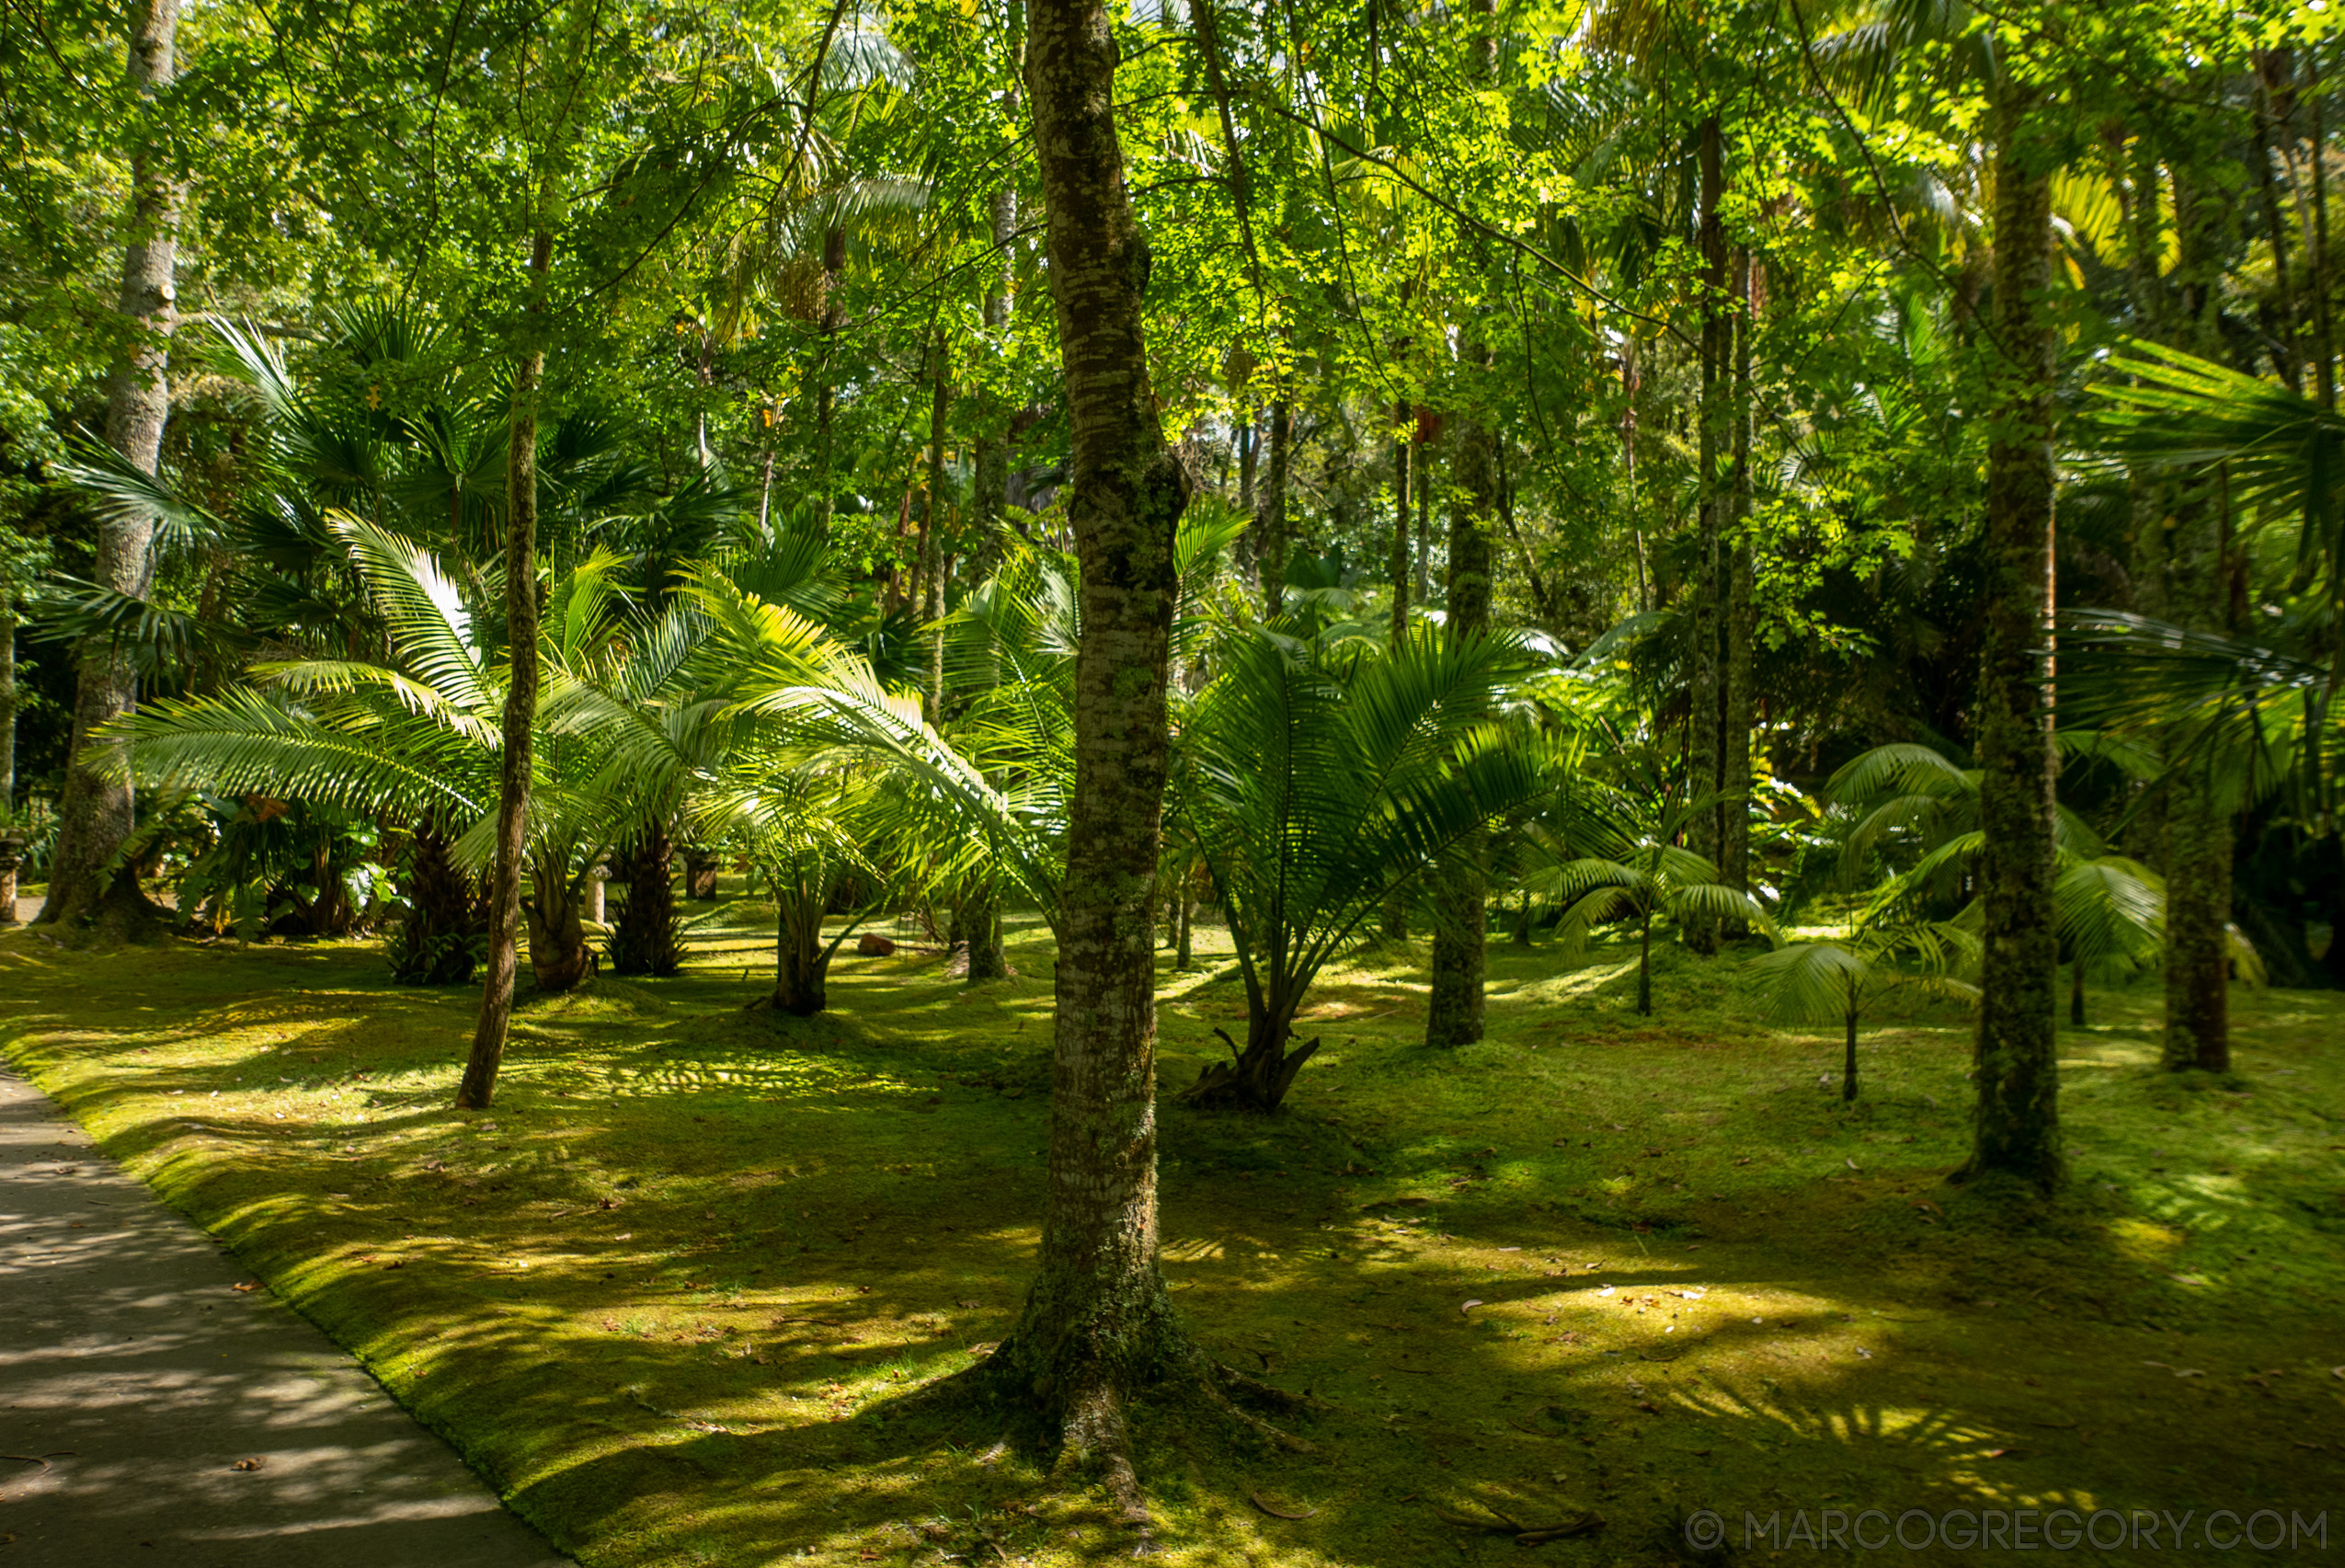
[1738, 701]
[1703, 728]
[479, 1085]
[2198, 832]
[1097, 1322]
[1454, 1009]
[1395, 922]
[2017, 1130]
[644, 938]
[93, 815]
[1270, 514]
[931, 565]
[1848, 1062]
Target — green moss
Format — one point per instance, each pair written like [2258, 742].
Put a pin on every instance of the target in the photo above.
[669, 1295]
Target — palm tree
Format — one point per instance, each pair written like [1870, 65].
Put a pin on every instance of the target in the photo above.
[1809, 981]
[1619, 855]
[1320, 780]
[419, 736]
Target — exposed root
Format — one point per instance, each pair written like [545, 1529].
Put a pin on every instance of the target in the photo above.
[1095, 1433]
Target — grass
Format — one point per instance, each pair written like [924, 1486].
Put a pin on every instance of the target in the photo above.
[667, 1296]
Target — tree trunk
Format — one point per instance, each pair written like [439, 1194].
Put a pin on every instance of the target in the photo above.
[981, 920]
[2199, 834]
[9, 704]
[643, 938]
[2076, 994]
[1703, 748]
[555, 913]
[801, 962]
[1454, 1010]
[932, 566]
[441, 941]
[1258, 1077]
[1848, 1062]
[1097, 1324]
[1270, 514]
[1738, 702]
[94, 817]
[2017, 1131]
[834, 266]
[1184, 941]
[479, 1085]
[1395, 922]
[1644, 968]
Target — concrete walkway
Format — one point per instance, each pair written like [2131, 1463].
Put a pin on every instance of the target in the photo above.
[135, 1378]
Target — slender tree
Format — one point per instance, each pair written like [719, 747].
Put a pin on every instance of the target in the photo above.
[479, 1085]
[1454, 1010]
[2017, 1130]
[95, 814]
[1098, 1325]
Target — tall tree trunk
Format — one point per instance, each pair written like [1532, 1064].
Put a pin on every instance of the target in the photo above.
[479, 1085]
[932, 566]
[1453, 1008]
[2017, 1130]
[1703, 728]
[1249, 463]
[94, 817]
[9, 703]
[1097, 1324]
[2198, 832]
[1739, 702]
[981, 919]
[1395, 922]
[1270, 512]
[834, 267]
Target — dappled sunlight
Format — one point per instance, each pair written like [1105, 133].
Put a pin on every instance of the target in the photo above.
[676, 1294]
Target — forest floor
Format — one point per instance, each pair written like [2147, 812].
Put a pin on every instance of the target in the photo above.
[669, 1295]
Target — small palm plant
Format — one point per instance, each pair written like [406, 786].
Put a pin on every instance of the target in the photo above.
[1320, 781]
[1614, 854]
[1839, 981]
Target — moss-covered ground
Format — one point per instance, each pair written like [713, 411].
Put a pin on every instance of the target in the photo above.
[669, 1295]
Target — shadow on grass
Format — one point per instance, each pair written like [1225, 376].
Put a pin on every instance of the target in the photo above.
[672, 1294]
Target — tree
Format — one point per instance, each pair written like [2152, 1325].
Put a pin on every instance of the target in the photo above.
[2017, 1130]
[1098, 1325]
[94, 817]
[1623, 858]
[1807, 981]
[1322, 783]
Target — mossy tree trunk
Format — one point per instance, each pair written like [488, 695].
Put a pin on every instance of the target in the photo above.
[479, 1085]
[1738, 702]
[1703, 749]
[1097, 1324]
[1270, 511]
[2017, 1132]
[2199, 831]
[1454, 1010]
[1395, 922]
[643, 938]
[94, 814]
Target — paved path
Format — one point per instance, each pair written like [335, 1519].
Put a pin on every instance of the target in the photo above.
[133, 1371]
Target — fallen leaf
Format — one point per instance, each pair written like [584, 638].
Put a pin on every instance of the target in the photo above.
[254, 1287]
[968, 1304]
[1255, 1498]
[1469, 1306]
[249, 1464]
[2006, 1454]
